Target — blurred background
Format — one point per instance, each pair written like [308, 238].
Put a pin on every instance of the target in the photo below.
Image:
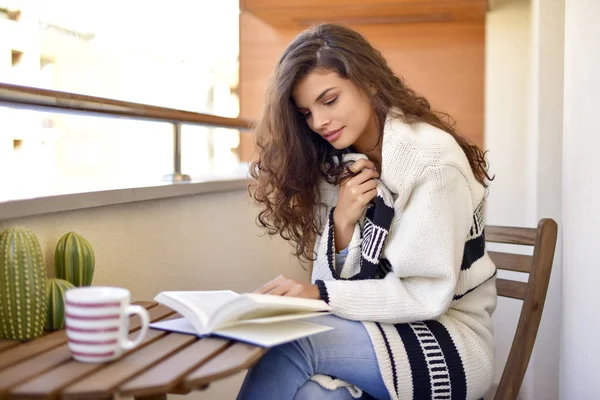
[183, 56]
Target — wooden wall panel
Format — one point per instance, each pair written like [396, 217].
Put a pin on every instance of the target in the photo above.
[261, 46]
[442, 61]
[263, 4]
[303, 12]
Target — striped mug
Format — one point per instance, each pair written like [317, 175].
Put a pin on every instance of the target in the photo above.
[97, 322]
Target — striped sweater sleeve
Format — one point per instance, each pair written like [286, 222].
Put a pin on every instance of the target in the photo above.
[424, 247]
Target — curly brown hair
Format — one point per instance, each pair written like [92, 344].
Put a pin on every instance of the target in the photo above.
[292, 159]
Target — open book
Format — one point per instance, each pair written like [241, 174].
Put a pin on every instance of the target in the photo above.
[261, 319]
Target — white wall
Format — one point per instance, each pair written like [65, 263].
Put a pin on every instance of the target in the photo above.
[207, 241]
[507, 109]
[546, 135]
[202, 242]
[580, 364]
[524, 101]
[507, 86]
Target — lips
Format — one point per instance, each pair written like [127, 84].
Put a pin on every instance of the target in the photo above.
[332, 135]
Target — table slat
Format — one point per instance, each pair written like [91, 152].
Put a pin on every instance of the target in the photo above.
[6, 344]
[16, 374]
[33, 348]
[156, 314]
[43, 370]
[236, 358]
[44, 343]
[167, 375]
[146, 304]
[103, 382]
[49, 384]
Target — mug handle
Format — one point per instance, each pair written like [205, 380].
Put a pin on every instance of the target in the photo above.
[145, 317]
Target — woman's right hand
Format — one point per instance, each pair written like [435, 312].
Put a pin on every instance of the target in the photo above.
[354, 195]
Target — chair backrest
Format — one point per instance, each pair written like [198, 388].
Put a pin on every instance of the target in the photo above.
[533, 293]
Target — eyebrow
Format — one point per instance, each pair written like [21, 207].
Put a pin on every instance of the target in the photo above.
[319, 97]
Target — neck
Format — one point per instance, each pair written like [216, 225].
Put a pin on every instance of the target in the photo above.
[370, 143]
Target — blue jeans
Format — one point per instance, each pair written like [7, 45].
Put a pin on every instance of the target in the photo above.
[344, 352]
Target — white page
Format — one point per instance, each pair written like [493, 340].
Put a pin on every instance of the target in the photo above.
[288, 302]
[207, 302]
[211, 310]
[266, 335]
[253, 306]
[269, 335]
[181, 325]
[279, 318]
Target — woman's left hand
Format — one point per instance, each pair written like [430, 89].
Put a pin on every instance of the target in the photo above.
[282, 286]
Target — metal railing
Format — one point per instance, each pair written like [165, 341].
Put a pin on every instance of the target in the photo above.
[26, 97]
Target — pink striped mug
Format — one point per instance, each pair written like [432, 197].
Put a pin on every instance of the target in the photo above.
[97, 322]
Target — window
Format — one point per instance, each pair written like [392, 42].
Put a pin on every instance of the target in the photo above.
[181, 55]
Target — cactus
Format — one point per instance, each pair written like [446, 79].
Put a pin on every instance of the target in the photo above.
[55, 296]
[22, 285]
[74, 260]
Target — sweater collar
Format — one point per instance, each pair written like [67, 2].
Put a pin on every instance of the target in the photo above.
[392, 156]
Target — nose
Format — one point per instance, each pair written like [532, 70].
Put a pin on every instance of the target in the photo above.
[320, 121]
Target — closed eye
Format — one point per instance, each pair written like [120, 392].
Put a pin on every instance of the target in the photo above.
[308, 113]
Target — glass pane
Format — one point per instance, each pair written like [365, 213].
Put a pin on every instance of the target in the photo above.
[169, 54]
[211, 153]
[44, 154]
[182, 56]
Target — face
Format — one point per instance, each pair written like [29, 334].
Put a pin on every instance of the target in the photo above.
[336, 109]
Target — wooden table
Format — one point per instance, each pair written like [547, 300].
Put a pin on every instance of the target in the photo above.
[163, 363]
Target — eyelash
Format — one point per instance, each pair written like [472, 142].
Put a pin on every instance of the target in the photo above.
[330, 102]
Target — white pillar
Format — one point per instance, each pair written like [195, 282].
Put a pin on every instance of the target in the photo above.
[507, 130]
[546, 130]
[580, 348]
[524, 106]
[507, 86]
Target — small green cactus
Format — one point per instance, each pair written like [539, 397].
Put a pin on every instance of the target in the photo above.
[55, 296]
[74, 260]
[22, 285]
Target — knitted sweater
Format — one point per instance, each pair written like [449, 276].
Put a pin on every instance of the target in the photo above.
[429, 318]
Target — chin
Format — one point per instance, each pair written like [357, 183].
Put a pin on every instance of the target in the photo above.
[341, 143]
[338, 146]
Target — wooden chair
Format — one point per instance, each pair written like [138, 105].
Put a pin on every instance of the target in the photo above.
[533, 293]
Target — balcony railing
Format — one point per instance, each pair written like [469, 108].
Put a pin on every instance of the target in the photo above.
[16, 96]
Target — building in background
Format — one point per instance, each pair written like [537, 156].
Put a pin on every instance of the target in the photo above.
[182, 56]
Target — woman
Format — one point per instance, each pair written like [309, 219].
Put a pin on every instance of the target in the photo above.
[354, 161]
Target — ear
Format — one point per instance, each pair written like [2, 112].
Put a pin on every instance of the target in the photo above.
[372, 89]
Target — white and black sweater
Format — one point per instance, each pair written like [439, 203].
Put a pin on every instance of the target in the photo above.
[428, 308]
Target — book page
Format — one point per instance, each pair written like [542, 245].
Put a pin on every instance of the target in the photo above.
[251, 306]
[198, 306]
[266, 335]
[179, 325]
[269, 335]
[278, 318]
[296, 303]
[208, 301]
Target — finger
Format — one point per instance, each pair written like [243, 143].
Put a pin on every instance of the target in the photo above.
[279, 291]
[365, 198]
[367, 186]
[267, 287]
[364, 176]
[361, 164]
[294, 291]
